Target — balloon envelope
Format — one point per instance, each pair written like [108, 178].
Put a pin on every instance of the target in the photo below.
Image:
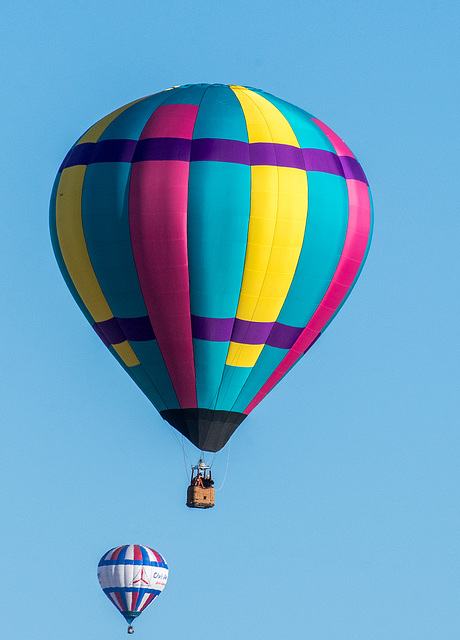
[210, 233]
[132, 576]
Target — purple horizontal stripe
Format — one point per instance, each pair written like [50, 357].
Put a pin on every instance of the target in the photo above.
[162, 149]
[217, 150]
[246, 332]
[283, 336]
[214, 150]
[214, 329]
[271, 154]
[101, 334]
[321, 160]
[113, 151]
[352, 169]
[80, 154]
[116, 330]
[138, 329]
[274, 334]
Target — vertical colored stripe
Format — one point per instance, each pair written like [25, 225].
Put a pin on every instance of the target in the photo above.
[158, 224]
[158, 558]
[151, 597]
[72, 242]
[353, 254]
[218, 217]
[276, 225]
[119, 601]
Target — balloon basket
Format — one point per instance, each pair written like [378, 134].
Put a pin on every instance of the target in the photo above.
[200, 498]
[200, 493]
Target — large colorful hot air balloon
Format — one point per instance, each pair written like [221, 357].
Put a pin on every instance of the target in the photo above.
[132, 576]
[210, 233]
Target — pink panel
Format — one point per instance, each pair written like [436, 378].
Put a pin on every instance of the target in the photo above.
[354, 248]
[339, 145]
[171, 121]
[158, 223]
[306, 338]
[347, 268]
[358, 193]
[321, 316]
[337, 291]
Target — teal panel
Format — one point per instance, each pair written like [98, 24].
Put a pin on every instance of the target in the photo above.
[308, 134]
[233, 380]
[105, 215]
[218, 219]
[142, 380]
[209, 365]
[130, 123]
[325, 232]
[155, 375]
[220, 115]
[268, 360]
[186, 94]
[106, 226]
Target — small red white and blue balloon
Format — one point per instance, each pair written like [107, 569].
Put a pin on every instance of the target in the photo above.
[132, 577]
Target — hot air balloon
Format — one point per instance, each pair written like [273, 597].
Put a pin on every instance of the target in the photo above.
[209, 234]
[132, 576]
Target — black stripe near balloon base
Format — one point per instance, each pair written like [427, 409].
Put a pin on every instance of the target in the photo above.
[207, 429]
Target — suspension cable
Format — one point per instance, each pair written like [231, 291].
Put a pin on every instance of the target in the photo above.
[226, 468]
[187, 472]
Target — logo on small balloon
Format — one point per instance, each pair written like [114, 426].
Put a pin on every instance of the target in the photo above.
[140, 579]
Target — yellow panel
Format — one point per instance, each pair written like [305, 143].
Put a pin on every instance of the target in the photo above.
[283, 260]
[252, 286]
[126, 353]
[264, 178]
[278, 282]
[265, 307]
[261, 231]
[257, 256]
[243, 355]
[288, 234]
[292, 182]
[72, 243]
[279, 201]
[70, 228]
[265, 122]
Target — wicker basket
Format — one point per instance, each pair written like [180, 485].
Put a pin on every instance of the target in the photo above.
[200, 497]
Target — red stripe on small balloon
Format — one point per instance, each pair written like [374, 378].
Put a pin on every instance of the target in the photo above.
[119, 601]
[148, 601]
[137, 552]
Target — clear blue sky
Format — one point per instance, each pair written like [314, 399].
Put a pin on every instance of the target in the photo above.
[361, 541]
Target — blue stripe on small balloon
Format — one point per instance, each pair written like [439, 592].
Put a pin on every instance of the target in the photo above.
[124, 590]
[146, 563]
